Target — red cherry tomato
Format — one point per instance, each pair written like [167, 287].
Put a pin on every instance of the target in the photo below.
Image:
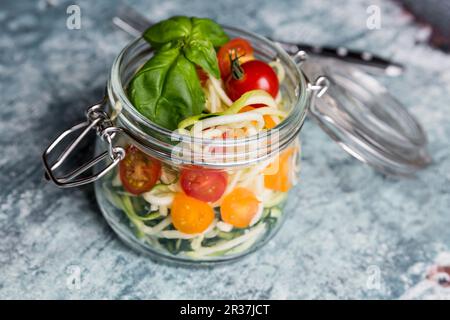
[256, 75]
[138, 172]
[243, 49]
[203, 184]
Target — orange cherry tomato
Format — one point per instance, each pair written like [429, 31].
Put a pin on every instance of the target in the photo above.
[268, 120]
[241, 47]
[138, 172]
[279, 172]
[203, 184]
[190, 215]
[239, 207]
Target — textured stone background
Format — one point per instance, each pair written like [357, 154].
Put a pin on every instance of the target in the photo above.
[345, 219]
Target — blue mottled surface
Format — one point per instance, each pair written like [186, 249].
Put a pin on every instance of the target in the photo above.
[352, 232]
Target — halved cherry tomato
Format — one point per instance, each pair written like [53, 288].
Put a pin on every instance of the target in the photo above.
[256, 75]
[241, 47]
[203, 184]
[239, 207]
[190, 215]
[138, 172]
[279, 172]
[268, 120]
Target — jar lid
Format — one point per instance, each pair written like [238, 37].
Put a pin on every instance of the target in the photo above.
[359, 113]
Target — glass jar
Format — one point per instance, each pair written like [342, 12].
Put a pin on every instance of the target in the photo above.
[145, 222]
[259, 169]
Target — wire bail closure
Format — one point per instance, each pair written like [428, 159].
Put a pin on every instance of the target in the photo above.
[99, 121]
[320, 87]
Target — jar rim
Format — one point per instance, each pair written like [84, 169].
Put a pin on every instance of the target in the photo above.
[287, 129]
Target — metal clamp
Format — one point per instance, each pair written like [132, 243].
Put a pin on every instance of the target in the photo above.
[320, 86]
[97, 120]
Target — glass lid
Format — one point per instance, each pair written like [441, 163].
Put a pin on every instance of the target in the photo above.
[365, 120]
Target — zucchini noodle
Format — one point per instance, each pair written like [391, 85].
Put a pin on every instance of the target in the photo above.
[231, 185]
[212, 133]
[213, 102]
[257, 216]
[175, 187]
[237, 119]
[168, 175]
[269, 111]
[279, 70]
[159, 197]
[253, 172]
[163, 211]
[211, 234]
[196, 243]
[146, 230]
[220, 92]
[250, 235]
[279, 98]
[162, 225]
[248, 98]
[273, 198]
[259, 186]
[233, 182]
[223, 226]
[175, 234]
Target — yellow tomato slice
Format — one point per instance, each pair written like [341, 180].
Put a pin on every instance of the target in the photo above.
[278, 172]
[190, 215]
[239, 207]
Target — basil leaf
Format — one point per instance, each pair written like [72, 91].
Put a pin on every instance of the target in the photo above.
[147, 85]
[202, 53]
[182, 96]
[207, 29]
[168, 30]
[180, 27]
[167, 89]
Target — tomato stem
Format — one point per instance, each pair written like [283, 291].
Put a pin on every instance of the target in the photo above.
[236, 70]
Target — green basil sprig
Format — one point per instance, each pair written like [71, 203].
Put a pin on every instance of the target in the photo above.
[167, 89]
